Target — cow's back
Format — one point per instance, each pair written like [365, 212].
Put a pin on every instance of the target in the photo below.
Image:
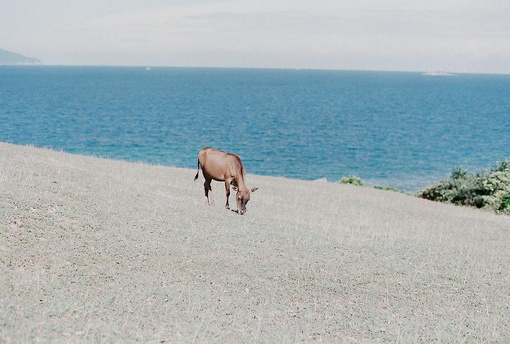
[220, 165]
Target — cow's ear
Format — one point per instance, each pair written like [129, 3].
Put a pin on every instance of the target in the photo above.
[254, 189]
[235, 188]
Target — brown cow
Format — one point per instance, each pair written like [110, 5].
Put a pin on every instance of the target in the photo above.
[224, 167]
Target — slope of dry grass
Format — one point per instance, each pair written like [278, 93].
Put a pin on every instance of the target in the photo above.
[93, 250]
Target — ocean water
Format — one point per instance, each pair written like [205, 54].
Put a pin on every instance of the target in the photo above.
[405, 130]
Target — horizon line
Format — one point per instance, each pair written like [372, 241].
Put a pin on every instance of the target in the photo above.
[443, 72]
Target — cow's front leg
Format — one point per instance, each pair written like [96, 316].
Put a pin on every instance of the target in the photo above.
[227, 191]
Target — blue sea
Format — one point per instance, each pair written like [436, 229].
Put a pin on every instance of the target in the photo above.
[405, 130]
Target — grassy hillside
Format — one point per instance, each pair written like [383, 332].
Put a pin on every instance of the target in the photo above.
[94, 250]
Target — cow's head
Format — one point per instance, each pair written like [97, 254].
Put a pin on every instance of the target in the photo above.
[242, 198]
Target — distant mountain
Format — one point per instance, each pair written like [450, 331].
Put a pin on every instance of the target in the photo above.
[10, 58]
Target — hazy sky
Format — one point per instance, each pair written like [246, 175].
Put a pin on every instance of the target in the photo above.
[418, 35]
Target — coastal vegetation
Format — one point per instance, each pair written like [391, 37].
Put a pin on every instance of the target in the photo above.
[485, 190]
[353, 180]
[489, 190]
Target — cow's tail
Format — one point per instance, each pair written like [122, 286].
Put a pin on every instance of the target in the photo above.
[198, 170]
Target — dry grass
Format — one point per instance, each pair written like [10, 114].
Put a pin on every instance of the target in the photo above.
[106, 251]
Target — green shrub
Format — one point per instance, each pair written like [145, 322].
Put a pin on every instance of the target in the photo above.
[459, 173]
[489, 190]
[357, 181]
[388, 188]
[353, 180]
[501, 166]
[504, 206]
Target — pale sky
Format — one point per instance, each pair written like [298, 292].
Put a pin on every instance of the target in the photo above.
[470, 36]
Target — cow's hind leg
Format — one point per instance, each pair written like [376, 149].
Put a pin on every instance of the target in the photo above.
[207, 188]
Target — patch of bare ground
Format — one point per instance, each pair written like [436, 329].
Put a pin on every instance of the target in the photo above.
[95, 250]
